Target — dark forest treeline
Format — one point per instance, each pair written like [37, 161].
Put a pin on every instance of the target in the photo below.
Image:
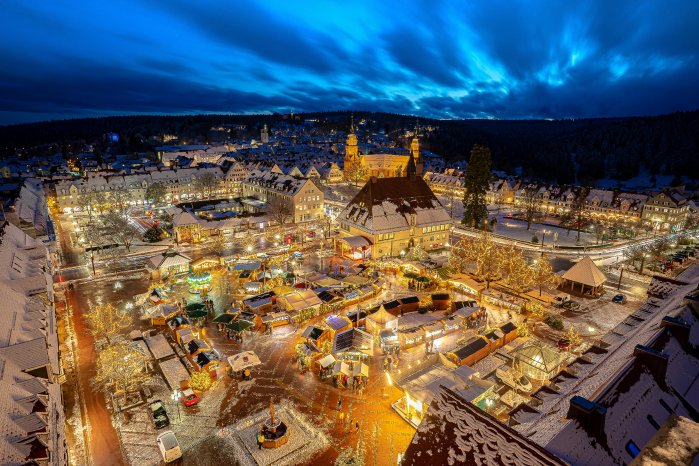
[564, 151]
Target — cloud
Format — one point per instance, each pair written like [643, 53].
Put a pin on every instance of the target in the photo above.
[502, 59]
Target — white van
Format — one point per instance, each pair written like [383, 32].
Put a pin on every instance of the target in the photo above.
[561, 298]
[169, 446]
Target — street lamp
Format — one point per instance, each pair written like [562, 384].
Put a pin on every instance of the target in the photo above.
[643, 261]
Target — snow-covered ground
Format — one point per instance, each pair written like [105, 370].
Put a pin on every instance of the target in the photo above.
[517, 229]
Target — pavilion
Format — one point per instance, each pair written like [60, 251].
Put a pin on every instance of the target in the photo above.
[586, 277]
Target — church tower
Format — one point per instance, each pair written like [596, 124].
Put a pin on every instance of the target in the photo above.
[351, 150]
[264, 135]
[415, 155]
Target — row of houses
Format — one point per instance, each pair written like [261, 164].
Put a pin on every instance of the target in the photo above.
[661, 211]
[31, 408]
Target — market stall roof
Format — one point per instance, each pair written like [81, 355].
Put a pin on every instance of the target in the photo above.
[274, 316]
[243, 360]
[327, 281]
[585, 272]
[240, 325]
[356, 241]
[197, 313]
[246, 265]
[336, 322]
[163, 310]
[312, 332]
[168, 260]
[159, 346]
[360, 370]
[223, 318]
[174, 372]
[301, 299]
[342, 368]
[194, 307]
[327, 361]
[205, 358]
[382, 317]
[157, 295]
[355, 280]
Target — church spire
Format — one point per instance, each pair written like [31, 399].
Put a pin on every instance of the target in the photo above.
[415, 151]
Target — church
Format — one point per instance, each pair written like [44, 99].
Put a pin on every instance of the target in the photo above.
[361, 167]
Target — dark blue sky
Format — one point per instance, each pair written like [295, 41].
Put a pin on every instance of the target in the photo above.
[450, 59]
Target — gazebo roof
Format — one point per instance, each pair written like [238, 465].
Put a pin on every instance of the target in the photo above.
[586, 272]
[540, 357]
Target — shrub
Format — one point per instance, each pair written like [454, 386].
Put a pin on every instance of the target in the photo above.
[554, 321]
[535, 239]
[152, 235]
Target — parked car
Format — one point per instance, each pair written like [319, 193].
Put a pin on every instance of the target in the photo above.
[619, 299]
[158, 414]
[188, 397]
[561, 298]
[564, 344]
[311, 234]
[169, 446]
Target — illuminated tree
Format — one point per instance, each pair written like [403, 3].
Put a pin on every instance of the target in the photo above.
[200, 381]
[120, 367]
[573, 336]
[355, 173]
[105, 320]
[533, 309]
[485, 254]
[217, 245]
[542, 272]
[416, 253]
[514, 267]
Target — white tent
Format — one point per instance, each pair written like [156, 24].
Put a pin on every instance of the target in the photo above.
[381, 320]
[342, 368]
[243, 360]
[327, 361]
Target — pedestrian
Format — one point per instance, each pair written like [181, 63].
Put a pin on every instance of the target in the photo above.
[356, 426]
[348, 423]
[342, 417]
[339, 403]
[260, 440]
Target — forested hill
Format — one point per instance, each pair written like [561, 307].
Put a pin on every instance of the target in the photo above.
[563, 151]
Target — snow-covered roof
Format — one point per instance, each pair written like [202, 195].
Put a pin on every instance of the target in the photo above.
[585, 272]
[455, 431]
[390, 204]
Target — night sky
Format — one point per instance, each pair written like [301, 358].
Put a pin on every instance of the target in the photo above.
[451, 59]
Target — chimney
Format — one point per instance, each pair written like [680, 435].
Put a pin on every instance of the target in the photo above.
[678, 328]
[589, 414]
[654, 361]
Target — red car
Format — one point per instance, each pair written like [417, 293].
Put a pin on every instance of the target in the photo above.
[188, 397]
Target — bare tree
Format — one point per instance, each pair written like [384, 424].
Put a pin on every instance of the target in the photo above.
[156, 193]
[120, 200]
[280, 210]
[205, 184]
[575, 217]
[88, 204]
[530, 205]
[119, 228]
[94, 241]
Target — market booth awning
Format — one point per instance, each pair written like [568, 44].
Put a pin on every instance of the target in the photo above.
[342, 368]
[243, 360]
[360, 370]
[223, 318]
[194, 307]
[356, 241]
[240, 325]
[197, 313]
